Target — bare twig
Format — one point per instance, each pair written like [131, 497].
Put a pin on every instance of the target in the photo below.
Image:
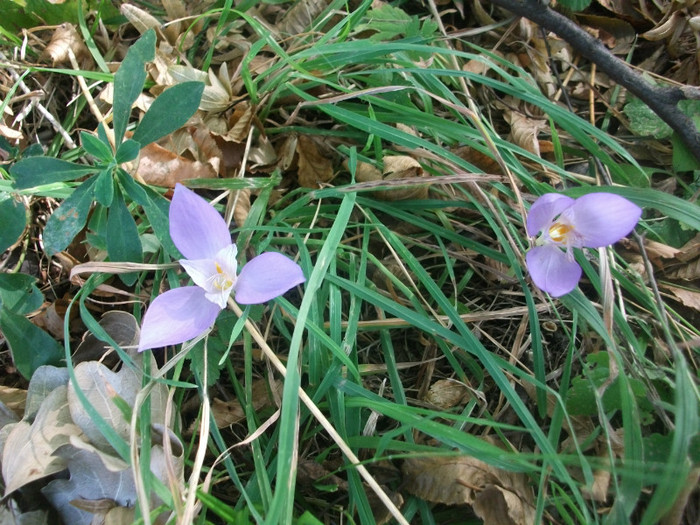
[662, 100]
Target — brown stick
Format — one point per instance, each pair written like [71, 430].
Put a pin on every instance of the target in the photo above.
[662, 100]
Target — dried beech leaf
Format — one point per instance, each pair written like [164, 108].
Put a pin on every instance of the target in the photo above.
[241, 207]
[396, 170]
[688, 298]
[447, 393]
[366, 172]
[314, 169]
[687, 272]
[524, 130]
[161, 167]
[300, 16]
[29, 452]
[467, 480]
[231, 412]
[240, 122]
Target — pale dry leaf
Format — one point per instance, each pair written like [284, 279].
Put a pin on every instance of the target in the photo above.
[66, 40]
[686, 272]
[10, 133]
[241, 207]
[13, 398]
[91, 488]
[396, 169]
[101, 387]
[297, 19]
[140, 19]
[446, 393]
[29, 452]
[228, 413]
[160, 167]
[690, 250]
[121, 326]
[240, 122]
[365, 172]
[45, 380]
[314, 168]
[287, 152]
[524, 130]
[688, 298]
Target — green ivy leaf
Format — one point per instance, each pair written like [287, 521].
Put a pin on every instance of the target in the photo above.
[129, 80]
[170, 111]
[30, 346]
[65, 223]
[37, 171]
[13, 218]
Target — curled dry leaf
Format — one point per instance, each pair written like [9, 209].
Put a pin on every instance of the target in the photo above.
[231, 412]
[66, 40]
[466, 480]
[524, 130]
[447, 393]
[29, 452]
[396, 170]
[314, 168]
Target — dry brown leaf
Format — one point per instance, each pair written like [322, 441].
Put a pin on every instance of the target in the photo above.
[690, 250]
[524, 130]
[688, 298]
[396, 169]
[300, 16]
[314, 169]
[228, 413]
[241, 207]
[447, 393]
[240, 122]
[140, 19]
[161, 167]
[467, 480]
[65, 40]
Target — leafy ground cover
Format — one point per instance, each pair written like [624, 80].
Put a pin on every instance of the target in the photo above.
[392, 150]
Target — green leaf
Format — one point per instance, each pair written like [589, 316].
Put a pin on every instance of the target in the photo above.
[31, 347]
[65, 223]
[19, 294]
[37, 171]
[123, 243]
[96, 147]
[127, 151]
[104, 188]
[170, 111]
[683, 159]
[644, 122]
[13, 219]
[574, 5]
[129, 79]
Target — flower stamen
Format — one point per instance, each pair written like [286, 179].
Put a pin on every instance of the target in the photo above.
[559, 231]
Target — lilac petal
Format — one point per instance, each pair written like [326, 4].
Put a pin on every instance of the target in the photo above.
[196, 228]
[544, 210]
[265, 277]
[601, 219]
[552, 271]
[177, 316]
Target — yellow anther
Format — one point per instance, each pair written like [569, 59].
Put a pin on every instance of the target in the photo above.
[218, 268]
[558, 231]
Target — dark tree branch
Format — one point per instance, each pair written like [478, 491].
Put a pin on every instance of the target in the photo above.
[662, 100]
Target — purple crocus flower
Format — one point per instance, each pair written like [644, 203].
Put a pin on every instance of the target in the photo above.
[592, 221]
[202, 236]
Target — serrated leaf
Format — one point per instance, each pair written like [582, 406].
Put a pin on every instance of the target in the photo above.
[70, 217]
[30, 346]
[96, 147]
[13, 219]
[19, 294]
[37, 171]
[123, 243]
[129, 80]
[170, 111]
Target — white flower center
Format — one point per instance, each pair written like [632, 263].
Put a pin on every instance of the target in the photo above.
[221, 280]
[559, 232]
